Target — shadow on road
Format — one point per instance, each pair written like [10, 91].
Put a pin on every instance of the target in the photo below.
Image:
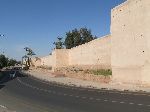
[1, 86]
[20, 75]
[6, 78]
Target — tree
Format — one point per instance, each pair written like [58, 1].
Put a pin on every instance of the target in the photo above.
[59, 43]
[11, 62]
[86, 35]
[3, 61]
[77, 37]
[27, 57]
[29, 51]
[69, 41]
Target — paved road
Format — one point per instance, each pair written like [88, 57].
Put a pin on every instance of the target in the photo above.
[27, 94]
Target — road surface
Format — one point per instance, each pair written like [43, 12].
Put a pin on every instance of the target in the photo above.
[28, 94]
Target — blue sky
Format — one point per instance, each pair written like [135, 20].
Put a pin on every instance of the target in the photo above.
[37, 23]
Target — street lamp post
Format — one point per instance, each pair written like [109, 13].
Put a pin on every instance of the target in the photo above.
[2, 35]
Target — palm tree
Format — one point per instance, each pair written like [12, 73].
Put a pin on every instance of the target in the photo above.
[59, 44]
[27, 57]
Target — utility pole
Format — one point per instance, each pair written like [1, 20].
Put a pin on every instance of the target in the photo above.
[2, 35]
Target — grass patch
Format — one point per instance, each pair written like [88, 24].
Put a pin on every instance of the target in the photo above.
[103, 72]
[45, 67]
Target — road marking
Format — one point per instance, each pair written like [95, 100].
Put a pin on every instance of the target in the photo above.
[84, 97]
[2, 106]
[91, 98]
[140, 104]
[98, 99]
[113, 101]
[105, 100]
[77, 96]
[59, 93]
[64, 86]
[122, 102]
[54, 92]
[64, 94]
[131, 103]
[49, 91]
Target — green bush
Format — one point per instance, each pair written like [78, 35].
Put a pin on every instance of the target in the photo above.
[103, 72]
[45, 67]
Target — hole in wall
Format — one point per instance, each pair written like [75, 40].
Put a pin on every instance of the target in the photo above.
[129, 11]
[143, 51]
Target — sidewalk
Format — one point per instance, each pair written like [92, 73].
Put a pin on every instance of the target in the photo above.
[47, 76]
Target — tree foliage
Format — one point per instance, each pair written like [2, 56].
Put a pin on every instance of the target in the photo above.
[29, 51]
[27, 57]
[4, 61]
[77, 37]
[59, 43]
[12, 62]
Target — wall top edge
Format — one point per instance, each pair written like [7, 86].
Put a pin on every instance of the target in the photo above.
[120, 6]
[100, 38]
[42, 57]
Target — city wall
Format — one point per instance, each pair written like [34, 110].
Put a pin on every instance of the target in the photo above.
[126, 50]
[130, 42]
[92, 55]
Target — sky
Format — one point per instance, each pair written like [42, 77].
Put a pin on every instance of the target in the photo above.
[38, 23]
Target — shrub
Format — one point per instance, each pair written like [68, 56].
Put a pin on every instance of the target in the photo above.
[103, 72]
[45, 67]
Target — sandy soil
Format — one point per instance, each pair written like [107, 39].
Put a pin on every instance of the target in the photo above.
[49, 76]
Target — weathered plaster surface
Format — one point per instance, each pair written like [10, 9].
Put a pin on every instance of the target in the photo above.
[126, 50]
[93, 54]
[130, 42]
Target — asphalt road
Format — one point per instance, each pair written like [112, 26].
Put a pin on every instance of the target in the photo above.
[27, 94]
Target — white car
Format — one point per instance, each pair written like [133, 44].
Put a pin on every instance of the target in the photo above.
[12, 74]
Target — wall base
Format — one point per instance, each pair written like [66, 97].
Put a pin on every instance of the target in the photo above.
[136, 75]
